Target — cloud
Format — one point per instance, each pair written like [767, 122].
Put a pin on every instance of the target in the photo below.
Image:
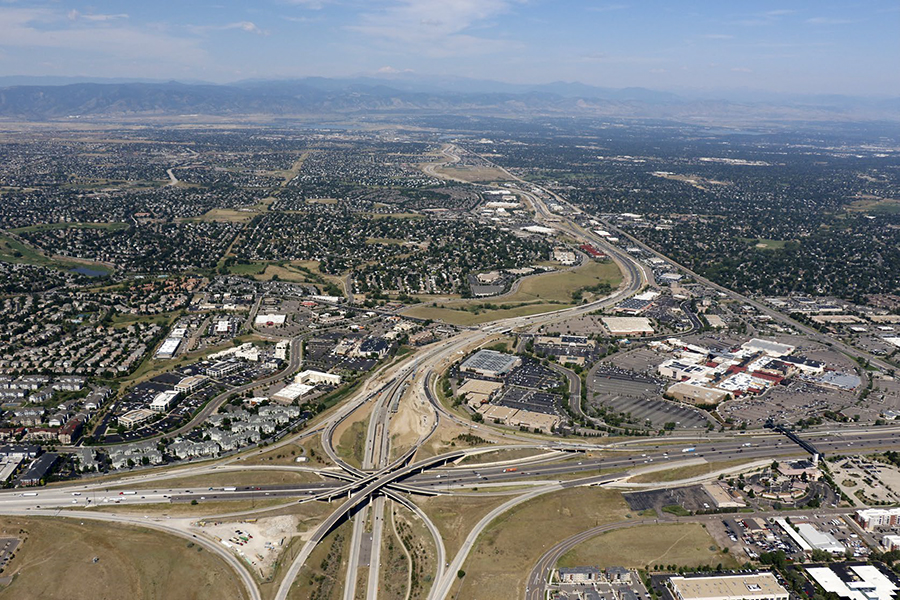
[31, 28]
[310, 4]
[741, 70]
[435, 28]
[74, 15]
[608, 7]
[828, 21]
[717, 36]
[247, 26]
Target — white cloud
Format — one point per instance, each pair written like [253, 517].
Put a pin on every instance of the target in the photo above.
[74, 15]
[52, 29]
[741, 70]
[436, 28]
[828, 21]
[718, 36]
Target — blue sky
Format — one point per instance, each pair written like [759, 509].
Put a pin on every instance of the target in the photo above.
[824, 46]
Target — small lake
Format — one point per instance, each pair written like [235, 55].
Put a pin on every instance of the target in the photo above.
[90, 272]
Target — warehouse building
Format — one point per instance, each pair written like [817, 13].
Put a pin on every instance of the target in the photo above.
[820, 540]
[743, 586]
[490, 363]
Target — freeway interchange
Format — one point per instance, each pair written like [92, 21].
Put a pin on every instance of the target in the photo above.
[397, 475]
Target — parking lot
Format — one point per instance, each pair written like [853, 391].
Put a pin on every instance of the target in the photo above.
[692, 498]
[525, 399]
[640, 396]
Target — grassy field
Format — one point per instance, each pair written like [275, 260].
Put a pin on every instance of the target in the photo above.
[14, 251]
[679, 473]
[559, 287]
[501, 455]
[464, 317]
[248, 477]
[384, 241]
[57, 561]
[227, 215]
[473, 174]
[871, 204]
[405, 215]
[535, 295]
[49, 226]
[456, 516]
[253, 267]
[186, 509]
[763, 244]
[322, 576]
[681, 544]
[499, 562]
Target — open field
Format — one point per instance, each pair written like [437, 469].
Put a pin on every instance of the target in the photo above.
[498, 564]
[310, 447]
[501, 455]
[56, 560]
[455, 517]
[763, 244]
[49, 226]
[464, 317]
[873, 204]
[535, 295]
[14, 251]
[681, 544]
[404, 215]
[322, 576]
[186, 509]
[235, 478]
[679, 473]
[473, 174]
[559, 287]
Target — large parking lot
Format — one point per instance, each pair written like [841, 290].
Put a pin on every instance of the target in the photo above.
[640, 396]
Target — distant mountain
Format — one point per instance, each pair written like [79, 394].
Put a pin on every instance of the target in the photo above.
[316, 95]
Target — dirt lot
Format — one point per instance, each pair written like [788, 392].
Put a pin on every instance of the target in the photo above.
[56, 560]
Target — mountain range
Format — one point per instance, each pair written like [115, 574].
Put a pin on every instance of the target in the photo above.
[45, 98]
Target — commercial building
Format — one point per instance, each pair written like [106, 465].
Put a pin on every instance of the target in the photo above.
[891, 543]
[269, 320]
[490, 363]
[314, 377]
[773, 349]
[292, 392]
[135, 417]
[38, 470]
[478, 391]
[189, 384]
[579, 575]
[164, 400]
[222, 368]
[870, 518]
[820, 540]
[168, 348]
[855, 582]
[743, 586]
[628, 325]
[684, 391]
[677, 369]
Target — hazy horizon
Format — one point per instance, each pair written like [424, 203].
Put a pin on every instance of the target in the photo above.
[797, 48]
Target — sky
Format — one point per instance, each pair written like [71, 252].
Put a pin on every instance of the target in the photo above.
[824, 46]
